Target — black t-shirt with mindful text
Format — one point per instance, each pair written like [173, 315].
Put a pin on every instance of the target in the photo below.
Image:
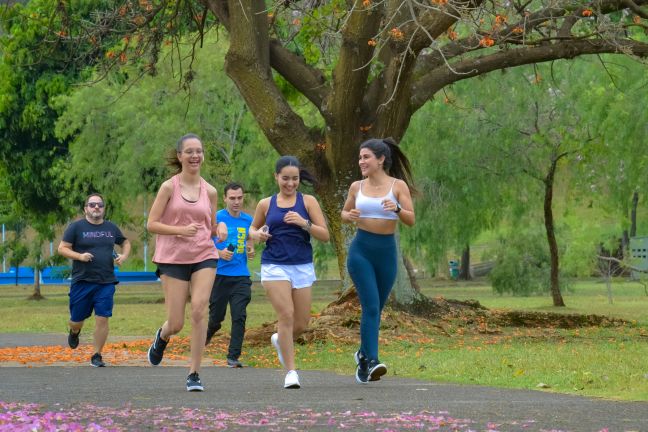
[99, 240]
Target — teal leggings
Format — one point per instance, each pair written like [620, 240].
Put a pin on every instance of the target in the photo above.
[372, 265]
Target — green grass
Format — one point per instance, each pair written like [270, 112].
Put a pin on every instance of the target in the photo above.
[602, 362]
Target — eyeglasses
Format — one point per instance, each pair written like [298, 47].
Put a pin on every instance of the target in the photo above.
[95, 204]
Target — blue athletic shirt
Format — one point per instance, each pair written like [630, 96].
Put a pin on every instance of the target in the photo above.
[238, 229]
[289, 244]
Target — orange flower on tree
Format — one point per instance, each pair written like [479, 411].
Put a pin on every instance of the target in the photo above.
[587, 12]
[501, 19]
[396, 33]
[372, 42]
[439, 2]
[517, 30]
[366, 3]
[452, 35]
[636, 19]
[487, 42]
[110, 54]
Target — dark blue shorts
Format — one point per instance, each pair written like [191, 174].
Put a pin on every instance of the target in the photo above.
[86, 296]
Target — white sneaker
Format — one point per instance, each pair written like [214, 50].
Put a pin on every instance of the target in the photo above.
[275, 342]
[292, 380]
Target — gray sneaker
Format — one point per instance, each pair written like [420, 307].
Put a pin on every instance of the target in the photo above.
[232, 363]
[97, 361]
[193, 383]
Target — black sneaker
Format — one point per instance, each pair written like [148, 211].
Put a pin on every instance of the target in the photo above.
[362, 369]
[376, 370]
[193, 382]
[97, 361]
[156, 351]
[210, 334]
[234, 363]
[73, 339]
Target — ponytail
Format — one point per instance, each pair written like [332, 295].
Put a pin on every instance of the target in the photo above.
[396, 163]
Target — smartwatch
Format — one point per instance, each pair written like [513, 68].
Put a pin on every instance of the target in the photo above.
[398, 208]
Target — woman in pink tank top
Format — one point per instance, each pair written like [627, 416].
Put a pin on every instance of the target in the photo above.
[183, 216]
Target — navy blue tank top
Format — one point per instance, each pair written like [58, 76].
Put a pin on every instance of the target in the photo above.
[290, 244]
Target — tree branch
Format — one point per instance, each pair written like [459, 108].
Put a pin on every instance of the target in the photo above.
[432, 82]
[307, 80]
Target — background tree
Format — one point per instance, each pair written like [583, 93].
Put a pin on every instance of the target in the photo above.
[366, 67]
[36, 65]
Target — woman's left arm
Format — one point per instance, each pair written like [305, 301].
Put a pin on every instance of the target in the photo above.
[318, 228]
[404, 197]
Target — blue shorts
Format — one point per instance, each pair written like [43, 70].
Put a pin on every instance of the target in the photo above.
[86, 296]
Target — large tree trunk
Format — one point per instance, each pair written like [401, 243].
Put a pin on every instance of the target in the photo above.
[551, 236]
[464, 271]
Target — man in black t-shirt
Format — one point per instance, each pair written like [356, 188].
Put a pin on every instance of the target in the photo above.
[90, 243]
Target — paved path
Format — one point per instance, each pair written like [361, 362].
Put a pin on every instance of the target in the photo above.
[250, 389]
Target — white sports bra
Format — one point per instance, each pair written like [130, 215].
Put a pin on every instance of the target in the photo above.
[371, 207]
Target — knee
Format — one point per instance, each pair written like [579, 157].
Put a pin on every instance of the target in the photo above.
[300, 327]
[239, 318]
[371, 312]
[286, 318]
[197, 314]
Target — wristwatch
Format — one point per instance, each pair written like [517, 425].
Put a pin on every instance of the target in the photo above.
[398, 208]
[308, 226]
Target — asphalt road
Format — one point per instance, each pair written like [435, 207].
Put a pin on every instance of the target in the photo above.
[250, 389]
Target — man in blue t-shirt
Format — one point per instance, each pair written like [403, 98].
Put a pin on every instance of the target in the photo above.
[233, 284]
[90, 244]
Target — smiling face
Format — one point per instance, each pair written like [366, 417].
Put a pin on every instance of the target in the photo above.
[368, 162]
[191, 157]
[288, 180]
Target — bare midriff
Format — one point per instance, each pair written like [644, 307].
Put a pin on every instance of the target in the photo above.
[377, 226]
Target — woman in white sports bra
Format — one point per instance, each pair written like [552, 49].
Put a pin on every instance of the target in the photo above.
[376, 204]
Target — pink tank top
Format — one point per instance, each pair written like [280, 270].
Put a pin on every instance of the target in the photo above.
[175, 249]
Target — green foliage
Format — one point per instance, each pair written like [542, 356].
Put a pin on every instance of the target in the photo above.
[134, 127]
[522, 264]
[35, 68]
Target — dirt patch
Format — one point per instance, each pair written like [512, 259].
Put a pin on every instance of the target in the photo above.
[340, 323]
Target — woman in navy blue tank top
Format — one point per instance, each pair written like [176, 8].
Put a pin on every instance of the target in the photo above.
[286, 221]
[375, 205]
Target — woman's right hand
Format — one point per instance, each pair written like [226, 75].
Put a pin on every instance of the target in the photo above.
[190, 230]
[262, 234]
[353, 215]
